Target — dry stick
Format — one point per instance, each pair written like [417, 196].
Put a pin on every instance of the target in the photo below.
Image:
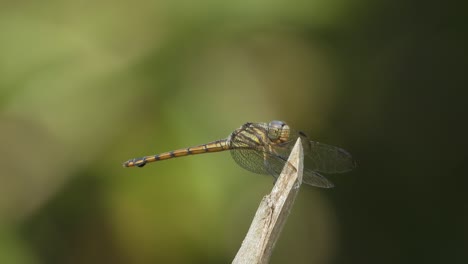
[272, 213]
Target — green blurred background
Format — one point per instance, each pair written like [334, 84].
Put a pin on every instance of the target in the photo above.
[86, 85]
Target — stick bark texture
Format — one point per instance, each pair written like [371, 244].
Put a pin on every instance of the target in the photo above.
[273, 212]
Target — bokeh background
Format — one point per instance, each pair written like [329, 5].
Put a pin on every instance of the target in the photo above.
[86, 85]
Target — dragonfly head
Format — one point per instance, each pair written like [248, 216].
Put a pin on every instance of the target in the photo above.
[278, 131]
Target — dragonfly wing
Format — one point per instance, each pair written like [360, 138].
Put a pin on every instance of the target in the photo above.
[250, 159]
[275, 164]
[328, 159]
[260, 162]
[314, 178]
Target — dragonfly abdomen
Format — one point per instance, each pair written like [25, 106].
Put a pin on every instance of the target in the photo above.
[215, 146]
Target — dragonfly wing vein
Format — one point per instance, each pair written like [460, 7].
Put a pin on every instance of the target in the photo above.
[328, 159]
[314, 178]
[260, 162]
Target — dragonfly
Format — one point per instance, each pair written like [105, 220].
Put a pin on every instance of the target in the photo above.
[264, 148]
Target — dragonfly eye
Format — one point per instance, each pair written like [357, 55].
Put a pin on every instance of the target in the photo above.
[275, 129]
[276, 124]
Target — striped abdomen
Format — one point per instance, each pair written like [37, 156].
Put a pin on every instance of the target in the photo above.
[215, 146]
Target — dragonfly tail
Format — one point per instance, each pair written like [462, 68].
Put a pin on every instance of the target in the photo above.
[215, 146]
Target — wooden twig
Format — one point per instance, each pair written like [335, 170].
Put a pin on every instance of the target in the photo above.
[272, 213]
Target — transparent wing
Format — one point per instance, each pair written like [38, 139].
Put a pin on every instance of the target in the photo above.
[315, 179]
[267, 163]
[327, 159]
[318, 156]
[260, 162]
[250, 159]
